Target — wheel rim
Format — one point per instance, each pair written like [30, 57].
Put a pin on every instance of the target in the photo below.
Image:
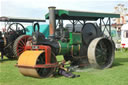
[101, 53]
[21, 44]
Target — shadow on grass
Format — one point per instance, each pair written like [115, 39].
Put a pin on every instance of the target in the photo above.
[4, 60]
[116, 64]
[57, 76]
[119, 61]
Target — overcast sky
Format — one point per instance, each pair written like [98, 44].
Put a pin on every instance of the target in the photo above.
[38, 8]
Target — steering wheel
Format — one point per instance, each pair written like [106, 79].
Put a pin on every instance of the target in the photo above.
[16, 28]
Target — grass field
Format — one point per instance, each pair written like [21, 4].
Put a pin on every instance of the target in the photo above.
[117, 75]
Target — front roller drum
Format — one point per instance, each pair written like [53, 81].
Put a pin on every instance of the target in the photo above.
[29, 59]
[101, 53]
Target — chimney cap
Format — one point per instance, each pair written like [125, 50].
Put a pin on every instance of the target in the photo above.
[53, 7]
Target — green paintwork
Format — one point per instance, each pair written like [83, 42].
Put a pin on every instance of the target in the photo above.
[75, 38]
[80, 15]
[72, 46]
[64, 48]
[76, 49]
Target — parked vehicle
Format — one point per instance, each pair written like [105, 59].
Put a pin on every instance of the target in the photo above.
[124, 36]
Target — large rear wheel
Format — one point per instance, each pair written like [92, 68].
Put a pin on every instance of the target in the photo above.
[101, 53]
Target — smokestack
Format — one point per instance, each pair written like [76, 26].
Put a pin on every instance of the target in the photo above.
[52, 21]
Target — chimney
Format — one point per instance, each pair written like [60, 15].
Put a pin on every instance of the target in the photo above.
[52, 21]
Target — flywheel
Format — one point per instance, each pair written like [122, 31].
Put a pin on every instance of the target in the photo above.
[89, 32]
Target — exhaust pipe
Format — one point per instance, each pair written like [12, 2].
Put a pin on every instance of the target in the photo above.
[52, 21]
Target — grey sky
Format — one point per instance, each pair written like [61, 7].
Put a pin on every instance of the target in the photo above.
[38, 8]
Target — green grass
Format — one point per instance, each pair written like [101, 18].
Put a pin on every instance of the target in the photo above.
[117, 75]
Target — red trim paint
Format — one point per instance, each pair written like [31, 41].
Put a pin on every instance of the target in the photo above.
[47, 50]
[52, 65]
[21, 44]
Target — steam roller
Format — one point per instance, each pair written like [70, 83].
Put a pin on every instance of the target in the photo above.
[82, 46]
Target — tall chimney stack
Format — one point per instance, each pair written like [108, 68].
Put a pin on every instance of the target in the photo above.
[52, 21]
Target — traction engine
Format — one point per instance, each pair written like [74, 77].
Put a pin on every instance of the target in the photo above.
[88, 46]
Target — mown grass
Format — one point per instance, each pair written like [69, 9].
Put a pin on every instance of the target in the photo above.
[117, 75]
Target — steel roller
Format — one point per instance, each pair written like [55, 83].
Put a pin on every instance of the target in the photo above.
[29, 58]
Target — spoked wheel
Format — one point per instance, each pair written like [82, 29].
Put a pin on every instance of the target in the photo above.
[19, 45]
[16, 28]
[32, 58]
[101, 53]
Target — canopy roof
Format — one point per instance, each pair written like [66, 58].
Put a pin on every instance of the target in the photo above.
[81, 15]
[14, 19]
